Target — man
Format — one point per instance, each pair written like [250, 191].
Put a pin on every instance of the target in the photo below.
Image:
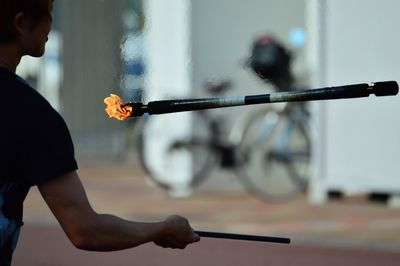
[36, 150]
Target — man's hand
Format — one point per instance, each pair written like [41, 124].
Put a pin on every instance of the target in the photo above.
[178, 233]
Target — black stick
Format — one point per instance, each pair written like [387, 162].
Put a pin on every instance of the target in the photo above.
[385, 88]
[279, 240]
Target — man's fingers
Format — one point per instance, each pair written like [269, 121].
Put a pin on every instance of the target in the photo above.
[196, 237]
[170, 243]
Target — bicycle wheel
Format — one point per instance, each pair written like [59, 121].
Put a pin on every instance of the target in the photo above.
[196, 147]
[274, 155]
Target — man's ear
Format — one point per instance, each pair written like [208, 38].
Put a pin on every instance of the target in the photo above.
[20, 23]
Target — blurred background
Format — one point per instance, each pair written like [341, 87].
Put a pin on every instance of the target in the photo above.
[146, 50]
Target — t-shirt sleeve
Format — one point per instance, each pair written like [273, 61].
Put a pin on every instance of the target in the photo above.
[51, 147]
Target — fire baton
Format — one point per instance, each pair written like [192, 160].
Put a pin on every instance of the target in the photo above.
[280, 240]
[116, 108]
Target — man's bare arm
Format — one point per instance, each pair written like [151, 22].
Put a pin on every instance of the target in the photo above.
[89, 230]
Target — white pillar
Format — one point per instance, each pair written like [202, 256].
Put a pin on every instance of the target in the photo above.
[315, 13]
[168, 62]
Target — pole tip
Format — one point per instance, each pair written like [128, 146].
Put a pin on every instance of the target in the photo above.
[385, 88]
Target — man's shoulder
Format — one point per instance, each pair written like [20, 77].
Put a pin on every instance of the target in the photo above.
[21, 92]
[13, 84]
[26, 103]
[10, 80]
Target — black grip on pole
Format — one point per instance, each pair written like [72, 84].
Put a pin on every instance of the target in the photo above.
[385, 88]
[173, 106]
[160, 107]
[280, 240]
[348, 91]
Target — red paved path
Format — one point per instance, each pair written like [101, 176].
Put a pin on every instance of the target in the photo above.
[349, 232]
[57, 250]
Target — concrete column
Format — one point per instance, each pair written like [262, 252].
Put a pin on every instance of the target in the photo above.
[91, 32]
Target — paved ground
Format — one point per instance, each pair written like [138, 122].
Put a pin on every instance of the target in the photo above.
[45, 246]
[347, 232]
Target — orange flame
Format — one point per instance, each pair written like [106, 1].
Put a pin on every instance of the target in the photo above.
[116, 108]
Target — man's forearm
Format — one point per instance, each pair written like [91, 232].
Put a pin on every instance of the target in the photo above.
[109, 233]
[88, 230]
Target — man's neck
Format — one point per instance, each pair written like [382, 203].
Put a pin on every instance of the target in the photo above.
[9, 57]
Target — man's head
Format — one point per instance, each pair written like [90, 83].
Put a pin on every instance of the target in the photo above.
[26, 23]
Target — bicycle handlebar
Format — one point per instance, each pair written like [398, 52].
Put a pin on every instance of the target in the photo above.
[384, 88]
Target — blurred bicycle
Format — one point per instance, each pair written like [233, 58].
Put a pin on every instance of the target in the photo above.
[268, 147]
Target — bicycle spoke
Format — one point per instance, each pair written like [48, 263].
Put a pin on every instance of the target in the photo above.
[275, 162]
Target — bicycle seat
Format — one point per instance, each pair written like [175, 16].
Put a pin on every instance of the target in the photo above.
[218, 87]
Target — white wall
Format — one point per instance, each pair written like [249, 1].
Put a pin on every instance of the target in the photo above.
[359, 142]
[223, 31]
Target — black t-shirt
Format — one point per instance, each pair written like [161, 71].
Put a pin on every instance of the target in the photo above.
[35, 147]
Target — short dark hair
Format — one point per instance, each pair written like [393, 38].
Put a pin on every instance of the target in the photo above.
[36, 10]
